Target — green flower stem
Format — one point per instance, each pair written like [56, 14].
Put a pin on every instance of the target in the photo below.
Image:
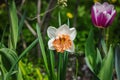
[60, 66]
[107, 36]
[60, 55]
[59, 19]
[63, 59]
[65, 65]
[52, 65]
[104, 40]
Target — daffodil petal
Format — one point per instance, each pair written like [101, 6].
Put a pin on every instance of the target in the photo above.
[72, 48]
[72, 33]
[51, 31]
[50, 44]
[64, 29]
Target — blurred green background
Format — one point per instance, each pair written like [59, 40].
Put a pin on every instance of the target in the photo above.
[79, 14]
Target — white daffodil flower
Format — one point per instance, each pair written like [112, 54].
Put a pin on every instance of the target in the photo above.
[61, 39]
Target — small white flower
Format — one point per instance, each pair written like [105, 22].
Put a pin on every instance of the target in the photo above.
[61, 39]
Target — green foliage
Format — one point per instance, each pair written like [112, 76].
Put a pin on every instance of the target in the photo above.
[105, 71]
[22, 55]
[21, 23]
[117, 61]
[97, 64]
[42, 49]
[98, 61]
[52, 64]
[14, 41]
[90, 52]
[9, 56]
[29, 69]
[104, 46]
[14, 25]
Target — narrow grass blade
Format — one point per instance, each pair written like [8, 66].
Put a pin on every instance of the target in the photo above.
[14, 23]
[10, 45]
[42, 48]
[21, 23]
[2, 38]
[117, 61]
[106, 70]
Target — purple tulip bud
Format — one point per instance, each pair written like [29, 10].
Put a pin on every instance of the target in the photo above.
[102, 14]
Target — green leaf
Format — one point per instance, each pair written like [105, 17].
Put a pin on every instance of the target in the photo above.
[90, 53]
[52, 64]
[64, 65]
[117, 61]
[99, 58]
[107, 66]
[60, 66]
[104, 46]
[2, 45]
[2, 38]
[14, 23]
[42, 48]
[10, 42]
[11, 57]
[21, 56]
[21, 22]
[2, 68]
[98, 62]
[9, 54]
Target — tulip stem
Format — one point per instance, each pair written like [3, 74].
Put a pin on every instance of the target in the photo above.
[107, 36]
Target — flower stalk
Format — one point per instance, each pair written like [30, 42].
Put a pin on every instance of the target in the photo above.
[107, 36]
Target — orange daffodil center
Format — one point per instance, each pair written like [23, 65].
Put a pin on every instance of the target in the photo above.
[62, 43]
[61, 39]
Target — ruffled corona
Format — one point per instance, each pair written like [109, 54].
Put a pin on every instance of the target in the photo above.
[62, 43]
